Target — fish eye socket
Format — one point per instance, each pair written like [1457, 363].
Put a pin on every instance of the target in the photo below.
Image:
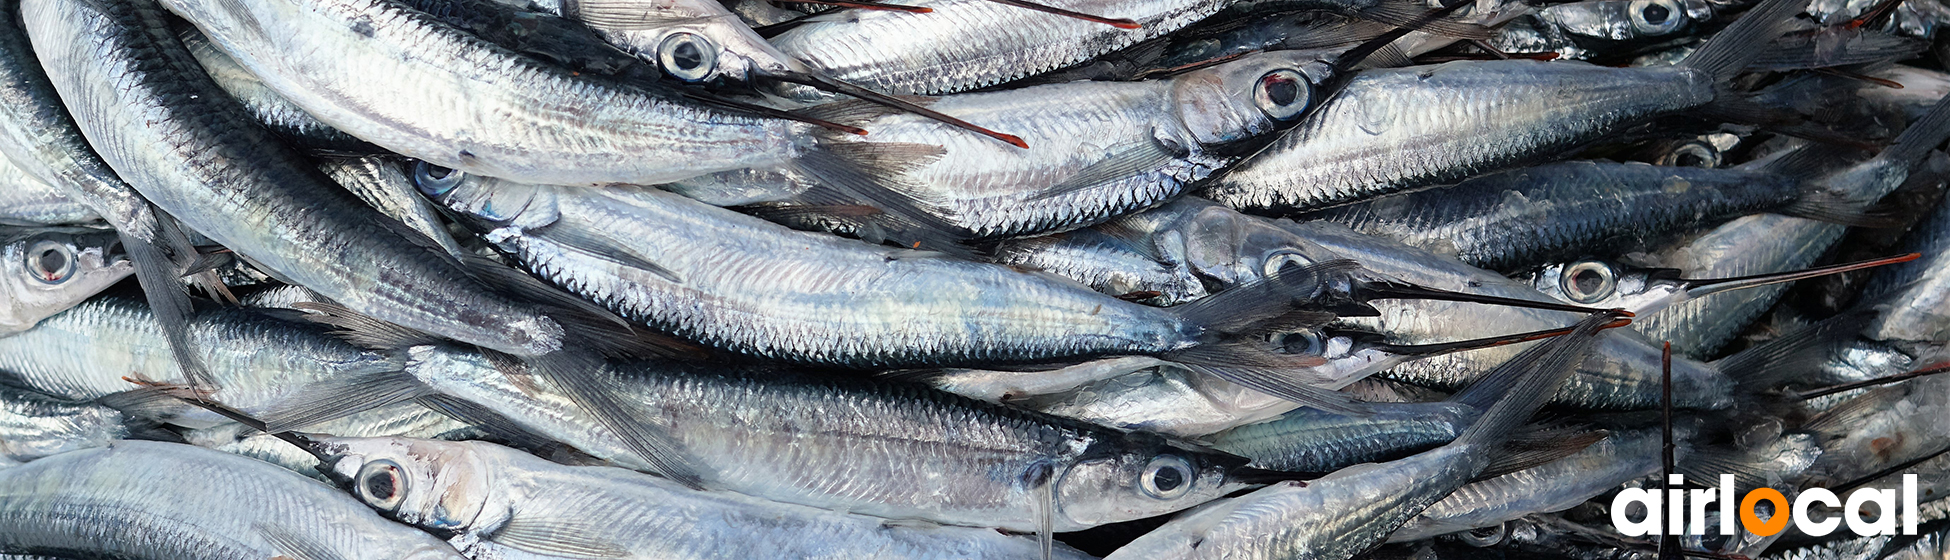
[380, 485]
[688, 56]
[1655, 17]
[435, 180]
[1692, 154]
[1285, 262]
[1588, 281]
[1282, 94]
[1308, 343]
[1167, 477]
[50, 262]
[1484, 536]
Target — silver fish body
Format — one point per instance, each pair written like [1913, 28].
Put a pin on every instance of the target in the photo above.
[653, 256]
[260, 361]
[26, 200]
[502, 501]
[1166, 400]
[1309, 440]
[1917, 292]
[968, 44]
[33, 425]
[409, 420]
[46, 271]
[265, 105]
[864, 448]
[460, 102]
[384, 186]
[1550, 487]
[179, 502]
[165, 126]
[1496, 113]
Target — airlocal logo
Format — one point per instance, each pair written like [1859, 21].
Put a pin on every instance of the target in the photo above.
[1674, 507]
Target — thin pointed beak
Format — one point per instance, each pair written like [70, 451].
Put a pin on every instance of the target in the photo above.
[871, 5]
[1701, 288]
[1251, 475]
[835, 86]
[1120, 23]
[1395, 290]
[1488, 342]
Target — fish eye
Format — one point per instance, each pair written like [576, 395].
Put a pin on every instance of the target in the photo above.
[1481, 537]
[1655, 17]
[1307, 343]
[688, 56]
[1692, 154]
[380, 485]
[1588, 281]
[50, 262]
[435, 180]
[1282, 94]
[1167, 477]
[1285, 262]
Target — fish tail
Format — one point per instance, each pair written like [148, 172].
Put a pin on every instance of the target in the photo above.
[1730, 51]
[1543, 367]
[1921, 136]
[1791, 358]
[159, 261]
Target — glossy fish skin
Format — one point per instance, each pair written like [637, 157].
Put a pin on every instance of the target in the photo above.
[460, 102]
[1309, 440]
[1524, 217]
[384, 186]
[859, 447]
[1102, 149]
[397, 420]
[1550, 487]
[1917, 292]
[161, 122]
[1106, 265]
[1497, 113]
[33, 425]
[1166, 400]
[25, 200]
[969, 44]
[269, 108]
[178, 502]
[259, 360]
[792, 295]
[495, 497]
[46, 271]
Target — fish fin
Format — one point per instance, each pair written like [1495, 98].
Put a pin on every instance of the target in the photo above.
[170, 304]
[1388, 56]
[143, 402]
[1820, 204]
[617, 255]
[584, 321]
[1408, 13]
[558, 537]
[1728, 52]
[1751, 468]
[339, 398]
[1240, 309]
[363, 331]
[858, 111]
[1841, 419]
[1546, 366]
[587, 381]
[1922, 135]
[1793, 356]
[1807, 52]
[1489, 388]
[623, 15]
[493, 423]
[1126, 161]
[1274, 381]
[1532, 446]
[868, 171]
[293, 545]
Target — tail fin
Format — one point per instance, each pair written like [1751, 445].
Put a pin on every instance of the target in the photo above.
[1730, 51]
[1545, 367]
[1921, 136]
[159, 262]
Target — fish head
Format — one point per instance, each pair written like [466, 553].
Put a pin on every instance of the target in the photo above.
[1250, 97]
[1623, 20]
[1231, 248]
[1608, 284]
[1141, 475]
[442, 486]
[51, 270]
[485, 202]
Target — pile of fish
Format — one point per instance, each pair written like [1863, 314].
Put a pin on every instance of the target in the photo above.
[965, 279]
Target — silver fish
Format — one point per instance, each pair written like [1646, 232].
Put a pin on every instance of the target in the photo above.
[26, 200]
[175, 502]
[47, 271]
[859, 447]
[382, 184]
[265, 105]
[505, 504]
[209, 165]
[33, 425]
[1551, 487]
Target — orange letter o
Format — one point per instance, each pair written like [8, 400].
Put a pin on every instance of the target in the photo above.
[1752, 522]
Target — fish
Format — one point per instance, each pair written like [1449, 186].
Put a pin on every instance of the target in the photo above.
[384, 185]
[1502, 112]
[33, 426]
[179, 501]
[266, 106]
[49, 270]
[25, 200]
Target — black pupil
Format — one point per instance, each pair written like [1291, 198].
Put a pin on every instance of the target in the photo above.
[1300, 342]
[1588, 281]
[437, 172]
[52, 262]
[688, 57]
[1282, 90]
[1168, 479]
[1690, 159]
[380, 486]
[1656, 14]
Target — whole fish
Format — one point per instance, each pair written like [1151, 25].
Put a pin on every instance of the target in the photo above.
[507, 504]
[864, 447]
[209, 165]
[46, 271]
[1497, 113]
[1345, 513]
[175, 502]
[27, 201]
